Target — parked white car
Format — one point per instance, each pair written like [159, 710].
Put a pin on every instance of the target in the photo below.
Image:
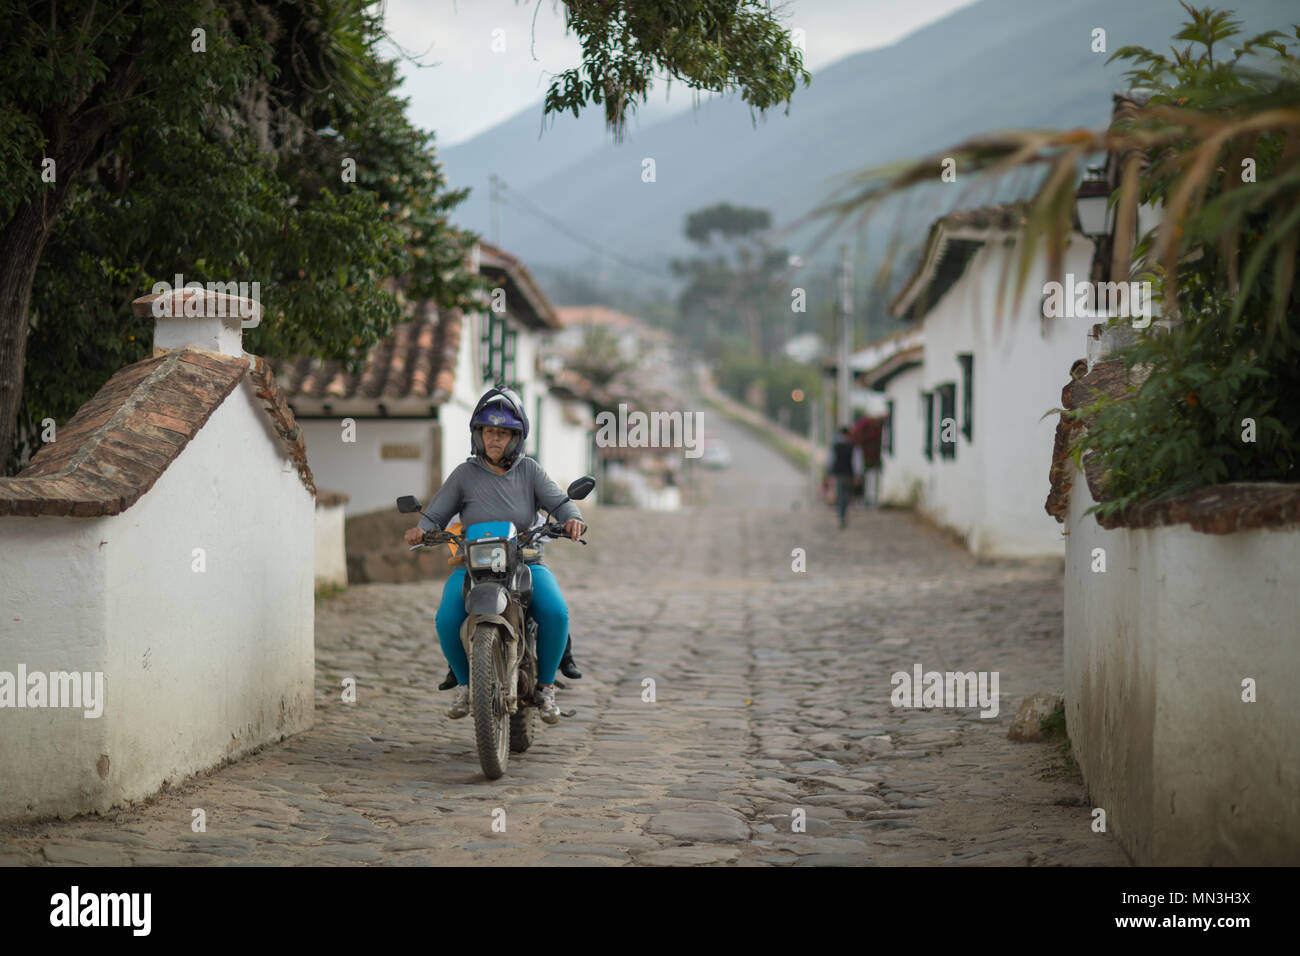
[716, 454]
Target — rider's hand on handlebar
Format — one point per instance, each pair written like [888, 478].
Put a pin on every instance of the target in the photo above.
[574, 528]
[414, 536]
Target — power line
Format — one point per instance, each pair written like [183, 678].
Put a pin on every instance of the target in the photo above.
[515, 199]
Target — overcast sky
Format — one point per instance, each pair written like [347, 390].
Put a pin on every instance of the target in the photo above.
[468, 86]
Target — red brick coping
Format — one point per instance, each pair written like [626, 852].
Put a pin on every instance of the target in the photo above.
[1214, 509]
[117, 444]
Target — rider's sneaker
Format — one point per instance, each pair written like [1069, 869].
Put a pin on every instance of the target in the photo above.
[460, 706]
[545, 698]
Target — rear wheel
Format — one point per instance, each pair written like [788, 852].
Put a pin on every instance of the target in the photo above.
[522, 726]
[487, 684]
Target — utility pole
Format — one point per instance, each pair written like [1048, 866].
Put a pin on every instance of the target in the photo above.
[815, 459]
[843, 410]
[496, 209]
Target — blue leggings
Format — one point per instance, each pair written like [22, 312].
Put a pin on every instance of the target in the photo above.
[547, 608]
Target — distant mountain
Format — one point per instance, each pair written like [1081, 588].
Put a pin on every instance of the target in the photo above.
[994, 65]
[524, 150]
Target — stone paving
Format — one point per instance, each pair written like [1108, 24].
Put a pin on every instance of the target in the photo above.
[772, 705]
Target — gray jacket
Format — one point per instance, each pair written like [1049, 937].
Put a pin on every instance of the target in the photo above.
[479, 494]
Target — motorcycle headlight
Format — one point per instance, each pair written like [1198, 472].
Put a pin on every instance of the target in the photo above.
[485, 556]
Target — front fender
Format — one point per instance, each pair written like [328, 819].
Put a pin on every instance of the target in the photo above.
[487, 598]
[474, 620]
[512, 649]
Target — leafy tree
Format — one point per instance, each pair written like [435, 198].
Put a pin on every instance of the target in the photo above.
[1229, 260]
[219, 157]
[736, 285]
[709, 45]
[777, 383]
[209, 139]
[727, 221]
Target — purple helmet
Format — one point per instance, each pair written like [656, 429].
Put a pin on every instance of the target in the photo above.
[499, 407]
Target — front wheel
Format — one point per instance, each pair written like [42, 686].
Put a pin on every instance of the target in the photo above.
[487, 693]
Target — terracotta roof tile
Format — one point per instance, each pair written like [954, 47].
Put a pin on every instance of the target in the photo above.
[950, 245]
[117, 444]
[537, 312]
[418, 360]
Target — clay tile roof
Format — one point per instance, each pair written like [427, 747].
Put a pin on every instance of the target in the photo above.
[117, 444]
[571, 315]
[418, 360]
[569, 384]
[532, 307]
[1006, 217]
[1214, 509]
[952, 242]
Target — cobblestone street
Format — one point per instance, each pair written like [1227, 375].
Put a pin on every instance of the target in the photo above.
[772, 694]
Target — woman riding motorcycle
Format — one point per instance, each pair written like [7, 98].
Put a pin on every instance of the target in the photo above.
[499, 483]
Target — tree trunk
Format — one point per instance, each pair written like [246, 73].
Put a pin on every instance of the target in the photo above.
[74, 142]
[22, 240]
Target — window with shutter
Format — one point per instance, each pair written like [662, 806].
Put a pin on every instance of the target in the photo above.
[927, 410]
[967, 362]
[948, 420]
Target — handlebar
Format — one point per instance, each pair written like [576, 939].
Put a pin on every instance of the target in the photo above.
[553, 529]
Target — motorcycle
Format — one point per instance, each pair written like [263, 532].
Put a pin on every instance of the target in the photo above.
[499, 635]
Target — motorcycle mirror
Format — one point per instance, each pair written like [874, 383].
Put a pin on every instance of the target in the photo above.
[408, 503]
[581, 487]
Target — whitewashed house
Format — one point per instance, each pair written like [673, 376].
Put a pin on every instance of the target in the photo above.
[156, 557]
[566, 427]
[402, 424]
[863, 399]
[969, 388]
[892, 369]
[648, 477]
[651, 347]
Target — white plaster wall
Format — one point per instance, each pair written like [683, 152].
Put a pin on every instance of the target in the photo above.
[198, 667]
[994, 490]
[954, 492]
[565, 448]
[906, 466]
[1109, 675]
[356, 468]
[374, 484]
[207, 666]
[867, 401]
[52, 611]
[331, 546]
[1188, 772]
[526, 364]
[455, 416]
[469, 360]
[455, 413]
